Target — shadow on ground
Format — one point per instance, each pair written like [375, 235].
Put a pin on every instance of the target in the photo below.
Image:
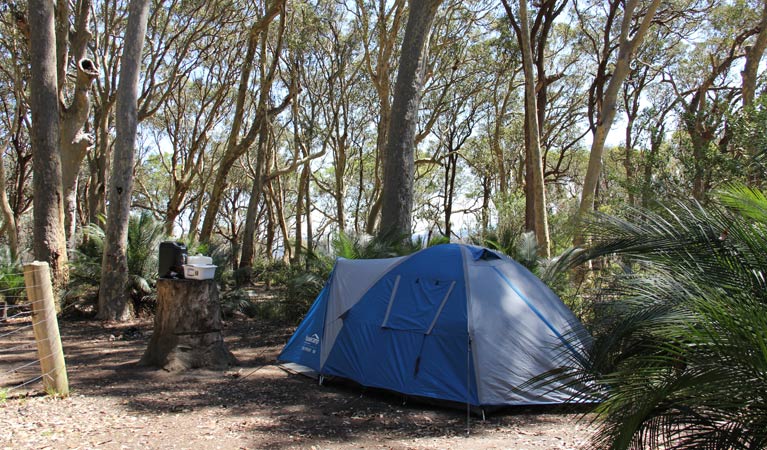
[259, 398]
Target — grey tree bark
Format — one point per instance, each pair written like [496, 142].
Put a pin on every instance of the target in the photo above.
[9, 220]
[626, 49]
[74, 142]
[753, 58]
[533, 140]
[49, 240]
[237, 144]
[399, 157]
[113, 299]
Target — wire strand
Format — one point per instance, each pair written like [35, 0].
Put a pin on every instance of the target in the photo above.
[23, 366]
[37, 378]
[20, 329]
[20, 347]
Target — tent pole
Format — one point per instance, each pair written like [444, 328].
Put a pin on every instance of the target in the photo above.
[468, 384]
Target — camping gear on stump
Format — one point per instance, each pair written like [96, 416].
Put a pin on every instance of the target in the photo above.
[187, 327]
[172, 259]
[452, 322]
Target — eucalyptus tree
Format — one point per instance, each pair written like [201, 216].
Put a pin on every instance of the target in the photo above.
[535, 99]
[399, 157]
[243, 133]
[635, 21]
[379, 24]
[16, 153]
[652, 58]
[74, 98]
[707, 88]
[109, 19]
[49, 239]
[754, 55]
[113, 296]
[333, 117]
[451, 108]
[189, 120]
[265, 144]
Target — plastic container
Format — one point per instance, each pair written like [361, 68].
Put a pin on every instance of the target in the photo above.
[199, 271]
[199, 260]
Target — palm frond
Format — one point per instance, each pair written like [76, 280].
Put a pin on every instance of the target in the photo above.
[679, 356]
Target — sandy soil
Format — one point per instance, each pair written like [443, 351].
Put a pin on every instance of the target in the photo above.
[115, 404]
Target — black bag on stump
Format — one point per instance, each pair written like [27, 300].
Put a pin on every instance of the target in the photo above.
[172, 259]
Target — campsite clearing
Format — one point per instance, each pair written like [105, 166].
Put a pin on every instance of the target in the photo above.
[116, 404]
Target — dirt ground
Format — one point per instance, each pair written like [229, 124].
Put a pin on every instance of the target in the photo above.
[116, 404]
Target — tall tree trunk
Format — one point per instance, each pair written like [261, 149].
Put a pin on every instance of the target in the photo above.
[449, 190]
[8, 217]
[486, 192]
[74, 141]
[380, 76]
[399, 162]
[308, 212]
[541, 224]
[49, 239]
[114, 303]
[99, 167]
[753, 58]
[626, 50]
[249, 233]
[194, 223]
[236, 146]
[536, 218]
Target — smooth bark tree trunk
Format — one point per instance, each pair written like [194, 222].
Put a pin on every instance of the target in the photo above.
[249, 232]
[9, 219]
[49, 240]
[380, 75]
[626, 50]
[538, 188]
[399, 157]
[75, 142]
[99, 167]
[753, 58]
[236, 145]
[114, 302]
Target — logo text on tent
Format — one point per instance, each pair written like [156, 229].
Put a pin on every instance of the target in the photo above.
[310, 342]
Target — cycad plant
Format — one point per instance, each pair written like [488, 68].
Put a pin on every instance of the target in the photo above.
[11, 281]
[144, 237]
[367, 247]
[679, 357]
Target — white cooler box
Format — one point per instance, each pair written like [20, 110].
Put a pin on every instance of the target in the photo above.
[199, 271]
[199, 260]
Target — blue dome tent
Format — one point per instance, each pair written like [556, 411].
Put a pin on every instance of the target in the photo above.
[451, 322]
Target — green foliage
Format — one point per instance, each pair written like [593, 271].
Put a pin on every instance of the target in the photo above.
[522, 247]
[367, 247]
[438, 240]
[144, 237]
[238, 301]
[11, 277]
[679, 356]
[749, 136]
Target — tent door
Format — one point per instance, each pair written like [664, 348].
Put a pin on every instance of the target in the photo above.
[416, 304]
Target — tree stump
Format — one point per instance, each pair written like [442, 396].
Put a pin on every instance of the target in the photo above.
[187, 327]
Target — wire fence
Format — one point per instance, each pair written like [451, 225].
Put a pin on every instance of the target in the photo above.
[21, 341]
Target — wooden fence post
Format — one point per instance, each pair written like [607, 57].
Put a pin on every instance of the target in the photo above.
[37, 278]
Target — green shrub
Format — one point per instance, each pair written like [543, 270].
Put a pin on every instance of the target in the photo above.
[679, 356]
[144, 237]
